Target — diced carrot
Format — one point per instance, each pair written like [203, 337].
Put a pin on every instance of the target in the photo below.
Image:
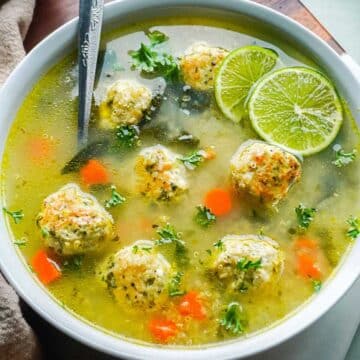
[218, 201]
[307, 267]
[210, 153]
[94, 173]
[190, 305]
[39, 148]
[46, 269]
[162, 329]
[306, 243]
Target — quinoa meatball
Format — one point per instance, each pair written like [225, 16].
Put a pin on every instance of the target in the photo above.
[199, 64]
[160, 175]
[244, 262]
[265, 171]
[73, 222]
[125, 103]
[139, 275]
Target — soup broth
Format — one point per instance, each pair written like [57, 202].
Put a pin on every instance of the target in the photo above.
[32, 172]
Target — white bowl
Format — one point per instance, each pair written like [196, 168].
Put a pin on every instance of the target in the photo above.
[62, 41]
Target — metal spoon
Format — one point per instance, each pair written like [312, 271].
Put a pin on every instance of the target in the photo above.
[90, 23]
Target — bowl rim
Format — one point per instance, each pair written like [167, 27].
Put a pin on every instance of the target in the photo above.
[41, 301]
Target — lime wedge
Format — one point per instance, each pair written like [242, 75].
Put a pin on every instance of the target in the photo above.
[236, 75]
[297, 108]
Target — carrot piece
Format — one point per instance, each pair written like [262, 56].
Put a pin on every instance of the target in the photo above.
[162, 329]
[46, 269]
[307, 266]
[39, 148]
[190, 305]
[218, 201]
[94, 172]
[305, 243]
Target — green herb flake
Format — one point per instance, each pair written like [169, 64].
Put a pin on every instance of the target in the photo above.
[193, 159]
[174, 285]
[219, 245]
[245, 264]
[21, 242]
[150, 61]
[341, 157]
[17, 215]
[305, 215]
[128, 135]
[354, 227]
[115, 200]
[233, 319]
[73, 263]
[204, 217]
[317, 285]
[135, 249]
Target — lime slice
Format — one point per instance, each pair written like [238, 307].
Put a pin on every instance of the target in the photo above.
[297, 108]
[237, 73]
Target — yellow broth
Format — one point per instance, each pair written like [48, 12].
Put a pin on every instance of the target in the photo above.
[50, 110]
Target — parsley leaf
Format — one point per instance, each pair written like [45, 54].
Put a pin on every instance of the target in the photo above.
[17, 215]
[233, 319]
[305, 215]
[115, 200]
[204, 216]
[150, 61]
[316, 284]
[354, 230]
[128, 135]
[174, 285]
[341, 157]
[245, 264]
[168, 235]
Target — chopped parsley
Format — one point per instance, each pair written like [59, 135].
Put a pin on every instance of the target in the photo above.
[168, 235]
[149, 60]
[204, 216]
[305, 215]
[341, 157]
[233, 319]
[17, 215]
[193, 159]
[128, 135]
[136, 248]
[354, 229]
[316, 284]
[74, 262]
[115, 200]
[21, 242]
[220, 245]
[245, 264]
[174, 285]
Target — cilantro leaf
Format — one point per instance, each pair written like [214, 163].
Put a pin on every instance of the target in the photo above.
[245, 264]
[305, 215]
[150, 61]
[341, 157]
[115, 200]
[128, 135]
[174, 285]
[16, 215]
[233, 319]
[204, 216]
[354, 227]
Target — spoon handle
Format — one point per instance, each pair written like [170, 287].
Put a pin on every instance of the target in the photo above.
[90, 23]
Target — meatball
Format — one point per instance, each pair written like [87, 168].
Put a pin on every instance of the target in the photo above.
[264, 171]
[139, 275]
[244, 262]
[73, 222]
[125, 103]
[160, 174]
[199, 64]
